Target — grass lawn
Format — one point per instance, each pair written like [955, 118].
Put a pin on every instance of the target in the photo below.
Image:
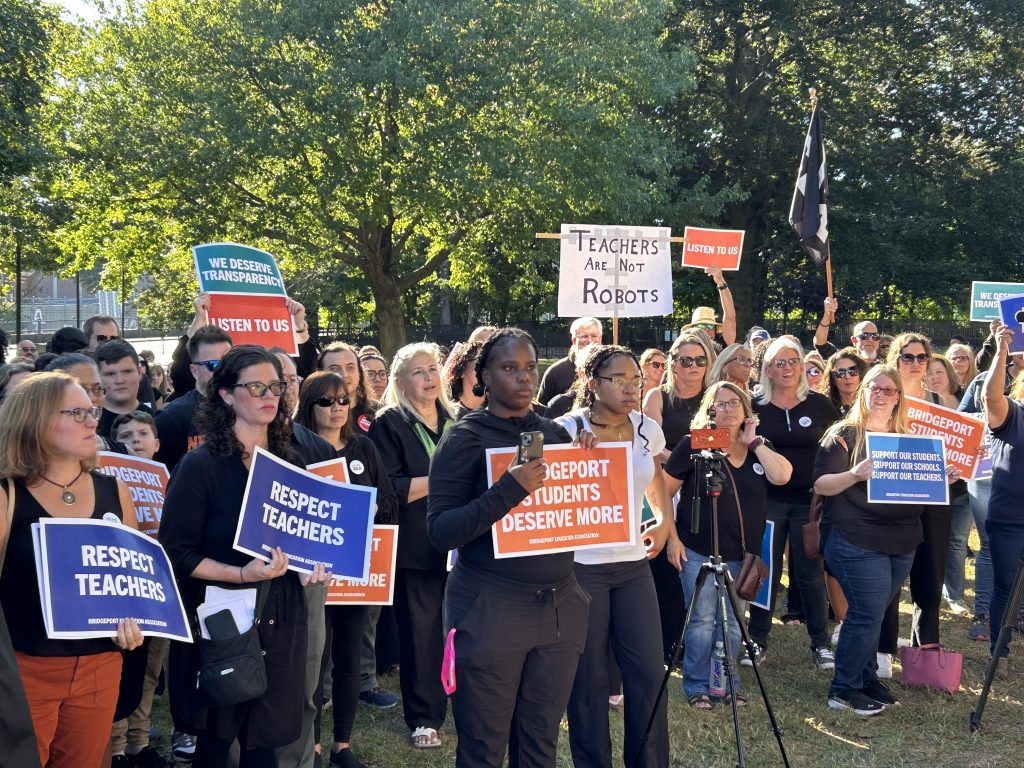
[929, 729]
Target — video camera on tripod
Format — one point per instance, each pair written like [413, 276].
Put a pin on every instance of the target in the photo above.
[710, 446]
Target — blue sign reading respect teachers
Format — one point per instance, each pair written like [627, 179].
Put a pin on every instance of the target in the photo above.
[907, 469]
[312, 519]
[92, 574]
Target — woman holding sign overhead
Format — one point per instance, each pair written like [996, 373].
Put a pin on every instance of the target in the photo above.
[406, 431]
[204, 498]
[624, 617]
[516, 625]
[47, 449]
[325, 407]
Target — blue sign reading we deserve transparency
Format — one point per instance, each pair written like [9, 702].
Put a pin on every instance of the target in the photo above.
[234, 268]
[907, 469]
[311, 518]
[93, 573]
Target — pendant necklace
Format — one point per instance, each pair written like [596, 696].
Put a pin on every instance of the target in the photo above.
[67, 496]
[617, 427]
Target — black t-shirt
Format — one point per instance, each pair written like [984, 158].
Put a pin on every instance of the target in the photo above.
[795, 433]
[676, 415]
[750, 486]
[107, 419]
[366, 467]
[891, 529]
[557, 379]
[176, 429]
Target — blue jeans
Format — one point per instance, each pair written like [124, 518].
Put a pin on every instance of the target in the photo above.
[979, 493]
[705, 625]
[1007, 542]
[870, 581]
[959, 530]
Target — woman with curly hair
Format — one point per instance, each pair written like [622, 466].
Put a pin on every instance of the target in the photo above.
[841, 379]
[624, 615]
[460, 376]
[242, 411]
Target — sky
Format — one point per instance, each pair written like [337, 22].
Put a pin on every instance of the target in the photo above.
[78, 8]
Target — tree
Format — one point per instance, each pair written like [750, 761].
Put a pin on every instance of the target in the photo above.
[387, 138]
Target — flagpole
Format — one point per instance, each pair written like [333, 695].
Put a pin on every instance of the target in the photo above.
[828, 264]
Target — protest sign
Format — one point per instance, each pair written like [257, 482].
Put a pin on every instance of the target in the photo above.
[907, 469]
[335, 469]
[586, 502]
[1011, 308]
[147, 480]
[94, 573]
[985, 298]
[234, 268]
[712, 247]
[254, 319]
[312, 519]
[764, 595]
[379, 587]
[962, 433]
[614, 271]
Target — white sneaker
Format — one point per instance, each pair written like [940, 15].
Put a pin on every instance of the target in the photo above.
[835, 634]
[884, 665]
[957, 608]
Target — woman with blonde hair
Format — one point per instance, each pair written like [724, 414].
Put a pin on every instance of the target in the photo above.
[733, 364]
[652, 367]
[962, 358]
[415, 415]
[869, 546]
[47, 453]
[673, 404]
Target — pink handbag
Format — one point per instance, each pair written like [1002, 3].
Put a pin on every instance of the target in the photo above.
[931, 666]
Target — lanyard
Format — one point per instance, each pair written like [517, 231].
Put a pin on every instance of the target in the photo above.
[421, 434]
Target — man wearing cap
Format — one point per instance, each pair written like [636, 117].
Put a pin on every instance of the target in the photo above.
[583, 332]
[865, 336]
[703, 318]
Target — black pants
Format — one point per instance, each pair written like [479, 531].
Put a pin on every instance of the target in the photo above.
[215, 753]
[810, 577]
[516, 650]
[623, 619]
[418, 599]
[926, 578]
[671, 602]
[345, 625]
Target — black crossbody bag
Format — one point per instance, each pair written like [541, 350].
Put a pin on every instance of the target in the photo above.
[232, 670]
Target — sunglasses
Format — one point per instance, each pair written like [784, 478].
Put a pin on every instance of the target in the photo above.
[908, 359]
[100, 338]
[883, 391]
[656, 365]
[842, 373]
[742, 360]
[814, 371]
[327, 402]
[871, 336]
[959, 358]
[210, 365]
[792, 362]
[259, 389]
[688, 362]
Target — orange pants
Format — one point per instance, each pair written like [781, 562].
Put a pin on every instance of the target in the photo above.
[72, 700]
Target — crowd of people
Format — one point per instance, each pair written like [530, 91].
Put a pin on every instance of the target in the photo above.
[575, 634]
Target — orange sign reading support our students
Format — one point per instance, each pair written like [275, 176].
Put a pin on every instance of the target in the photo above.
[586, 502]
[379, 589]
[712, 247]
[962, 434]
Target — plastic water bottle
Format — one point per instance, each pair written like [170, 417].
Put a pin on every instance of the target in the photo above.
[716, 677]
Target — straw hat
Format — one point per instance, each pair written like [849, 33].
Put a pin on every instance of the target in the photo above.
[702, 316]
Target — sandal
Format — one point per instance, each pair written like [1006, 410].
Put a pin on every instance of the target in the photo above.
[425, 738]
[740, 700]
[699, 701]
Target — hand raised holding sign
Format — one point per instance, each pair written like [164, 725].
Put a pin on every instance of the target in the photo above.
[259, 570]
[320, 575]
[862, 470]
[530, 475]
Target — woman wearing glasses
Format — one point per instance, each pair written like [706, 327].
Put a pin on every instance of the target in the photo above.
[242, 411]
[841, 378]
[416, 413]
[869, 546]
[375, 369]
[793, 419]
[48, 434]
[652, 367]
[672, 407]
[962, 358]
[324, 408]
[752, 467]
[733, 364]
[623, 600]
[909, 355]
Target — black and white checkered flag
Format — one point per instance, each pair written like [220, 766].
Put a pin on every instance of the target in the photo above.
[809, 212]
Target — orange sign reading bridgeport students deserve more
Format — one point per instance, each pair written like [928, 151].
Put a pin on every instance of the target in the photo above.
[146, 479]
[332, 469]
[586, 502]
[712, 247]
[962, 433]
[379, 589]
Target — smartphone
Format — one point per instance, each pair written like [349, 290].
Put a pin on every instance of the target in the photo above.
[531, 446]
[221, 625]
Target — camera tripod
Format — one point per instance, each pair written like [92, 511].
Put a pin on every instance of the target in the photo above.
[1006, 626]
[709, 464]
